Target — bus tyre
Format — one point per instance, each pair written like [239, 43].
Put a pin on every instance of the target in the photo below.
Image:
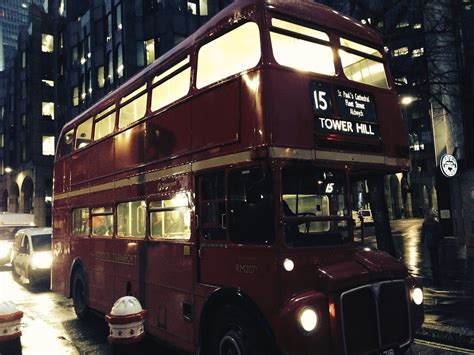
[234, 332]
[79, 295]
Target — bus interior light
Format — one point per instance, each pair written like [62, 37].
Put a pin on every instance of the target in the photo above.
[288, 264]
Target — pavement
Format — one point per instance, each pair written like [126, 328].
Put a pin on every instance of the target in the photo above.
[448, 289]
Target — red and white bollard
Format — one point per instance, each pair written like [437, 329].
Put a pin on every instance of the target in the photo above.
[10, 327]
[126, 321]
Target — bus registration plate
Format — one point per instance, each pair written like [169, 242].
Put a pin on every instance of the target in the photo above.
[388, 352]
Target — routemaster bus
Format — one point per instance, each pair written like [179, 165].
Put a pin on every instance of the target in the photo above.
[214, 186]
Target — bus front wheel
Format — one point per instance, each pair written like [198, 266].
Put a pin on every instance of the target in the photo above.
[234, 332]
[79, 295]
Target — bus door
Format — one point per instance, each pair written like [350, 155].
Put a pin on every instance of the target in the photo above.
[236, 229]
[170, 269]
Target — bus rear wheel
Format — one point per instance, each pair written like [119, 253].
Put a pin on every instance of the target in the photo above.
[79, 295]
[234, 332]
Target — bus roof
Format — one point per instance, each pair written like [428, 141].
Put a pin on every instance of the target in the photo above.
[306, 10]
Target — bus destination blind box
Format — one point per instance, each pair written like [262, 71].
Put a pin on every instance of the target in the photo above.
[355, 109]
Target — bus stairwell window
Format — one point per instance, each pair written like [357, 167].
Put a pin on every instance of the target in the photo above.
[84, 134]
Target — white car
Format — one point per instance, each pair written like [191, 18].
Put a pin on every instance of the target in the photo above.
[366, 214]
[32, 255]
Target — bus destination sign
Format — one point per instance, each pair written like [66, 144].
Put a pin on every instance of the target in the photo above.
[356, 111]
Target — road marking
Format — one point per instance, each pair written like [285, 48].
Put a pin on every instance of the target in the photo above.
[443, 346]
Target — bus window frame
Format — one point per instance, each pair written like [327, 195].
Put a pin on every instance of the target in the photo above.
[119, 104]
[216, 35]
[89, 220]
[111, 109]
[169, 196]
[331, 42]
[60, 156]
[113, 235]
[116, 225]
[152, 85]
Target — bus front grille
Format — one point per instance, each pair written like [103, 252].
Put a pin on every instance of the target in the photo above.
[375, 317]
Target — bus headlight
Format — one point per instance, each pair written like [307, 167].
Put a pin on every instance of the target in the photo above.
[417, 296]
[42, 260]
[308, 319]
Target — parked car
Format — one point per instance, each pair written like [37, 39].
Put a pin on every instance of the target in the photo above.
[32, 255]
[10, 223]
[366, 213]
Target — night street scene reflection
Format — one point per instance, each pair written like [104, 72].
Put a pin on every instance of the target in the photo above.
[248, 177]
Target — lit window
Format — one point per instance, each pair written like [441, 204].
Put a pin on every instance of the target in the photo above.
[401, 81]
[100, 77]
[171, 219]
[172, 89]
[302, 55]
[402, 24]
[120, 60]
[48, 145]
[80, 221]
[2, 140]
[134, 110]
[75, 96]
[84, 134]
[417, 26]
[418, 52]
[192, 8]
[131, 219]
[203, 10]
[102, 222]
[400, 51]
[360, 47]
[61, 9]
[48, 110]
[23, 59]
[234, 52]
[118, 16]
[307, 31]
[47, 43]
[49, 83]
[105, 123]
[110, 69]
[363, 70]
[149, 51]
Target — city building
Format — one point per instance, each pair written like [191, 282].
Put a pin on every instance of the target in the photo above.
[70, 55]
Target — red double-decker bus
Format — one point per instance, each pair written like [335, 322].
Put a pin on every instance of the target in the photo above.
[214, 186]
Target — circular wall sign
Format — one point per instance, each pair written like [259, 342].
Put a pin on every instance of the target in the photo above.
[448, 165]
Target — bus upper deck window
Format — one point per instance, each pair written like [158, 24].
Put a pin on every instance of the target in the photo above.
[173, 88]
[134, 110]
[105, 123]
[299, 53]
[360, 68]
[229, 54]
[84, 134]
[65, 145]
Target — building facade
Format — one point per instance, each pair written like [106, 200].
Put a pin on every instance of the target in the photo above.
[70, 55]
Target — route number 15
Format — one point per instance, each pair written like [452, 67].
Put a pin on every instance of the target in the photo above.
[320, 100]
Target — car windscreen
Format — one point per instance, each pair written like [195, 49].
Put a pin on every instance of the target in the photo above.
[41, 242]
[8, 233]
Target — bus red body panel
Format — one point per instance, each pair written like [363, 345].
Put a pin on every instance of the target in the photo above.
[219, 195]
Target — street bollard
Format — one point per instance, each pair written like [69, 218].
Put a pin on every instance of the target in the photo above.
[126, 321]
[10, 328]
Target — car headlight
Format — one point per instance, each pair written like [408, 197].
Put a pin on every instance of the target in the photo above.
[308, 319]
[42, 260]
[417, 296]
